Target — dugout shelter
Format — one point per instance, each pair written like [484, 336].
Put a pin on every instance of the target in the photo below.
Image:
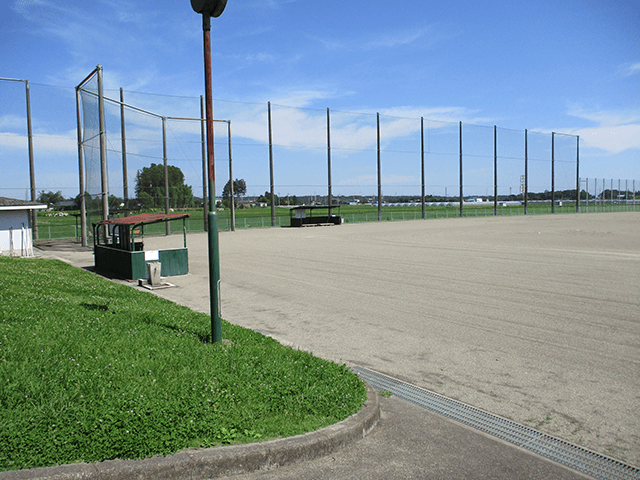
[118, 245]
[309, 215]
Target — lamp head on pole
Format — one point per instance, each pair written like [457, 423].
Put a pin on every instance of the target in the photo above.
[211, 8]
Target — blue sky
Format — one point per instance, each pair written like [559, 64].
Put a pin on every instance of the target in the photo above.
[563, 66]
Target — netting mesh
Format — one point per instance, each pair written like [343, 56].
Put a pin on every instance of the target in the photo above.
[300, 153]
[91, 137]
[135, 138]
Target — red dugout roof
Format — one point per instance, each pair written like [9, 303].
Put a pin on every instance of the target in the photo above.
[143, 218]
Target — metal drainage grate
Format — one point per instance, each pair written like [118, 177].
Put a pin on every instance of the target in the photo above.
[573, 456]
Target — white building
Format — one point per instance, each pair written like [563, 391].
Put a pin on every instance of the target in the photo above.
[15, 226]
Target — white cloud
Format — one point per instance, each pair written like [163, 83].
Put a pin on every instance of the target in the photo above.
[296, 126]
[300, 98]
[398, 38]
[628, 69]
[617, 130]
[43, 144]
[606, 117]
[426, 36]
[23, 7]
[438, 114]
[13, 122]
[612, 139]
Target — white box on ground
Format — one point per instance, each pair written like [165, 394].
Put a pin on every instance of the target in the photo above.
[154, 269]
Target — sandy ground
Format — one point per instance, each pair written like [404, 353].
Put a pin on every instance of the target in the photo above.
[533, 318]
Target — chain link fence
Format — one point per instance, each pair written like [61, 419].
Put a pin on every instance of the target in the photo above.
[394, 165]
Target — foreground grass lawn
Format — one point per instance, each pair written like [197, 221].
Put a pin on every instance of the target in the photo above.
[92, 370]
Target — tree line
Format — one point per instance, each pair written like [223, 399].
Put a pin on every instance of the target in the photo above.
[150, 193]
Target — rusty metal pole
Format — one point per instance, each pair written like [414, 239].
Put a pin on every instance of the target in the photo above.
[214, 249]
[205, 203]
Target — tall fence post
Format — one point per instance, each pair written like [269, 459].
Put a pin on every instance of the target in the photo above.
[495, 170]
[379, 173]
[553, 194]
[526, 172]
[231, 194]
[103, 147]
[619, 195]
[166, 173]
[460, 168]
[125, 181]
[578, 174]
[611, 195]
[422, 163]
[83, 207]
[32, 169]
[273, 203]
[329, 161]
[586, 184]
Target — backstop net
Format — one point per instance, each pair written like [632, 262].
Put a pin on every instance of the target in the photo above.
[134, 138]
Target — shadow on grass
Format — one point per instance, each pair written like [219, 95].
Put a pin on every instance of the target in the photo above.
[95, 306]
[202, 337]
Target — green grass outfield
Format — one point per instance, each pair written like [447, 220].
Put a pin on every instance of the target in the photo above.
[51, 227]
[93, 370]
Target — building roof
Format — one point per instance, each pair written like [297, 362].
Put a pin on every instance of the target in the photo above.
[15, 204]
[143, 218]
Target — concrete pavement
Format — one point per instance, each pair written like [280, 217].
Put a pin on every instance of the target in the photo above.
[534, 318]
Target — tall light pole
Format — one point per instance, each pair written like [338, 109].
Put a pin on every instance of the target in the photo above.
[208, 9]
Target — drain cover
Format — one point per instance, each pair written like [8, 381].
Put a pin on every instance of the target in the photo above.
[550, 447]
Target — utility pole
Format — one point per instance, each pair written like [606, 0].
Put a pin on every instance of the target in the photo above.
[208, 9]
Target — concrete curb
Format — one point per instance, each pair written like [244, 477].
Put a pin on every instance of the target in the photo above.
[220, 461]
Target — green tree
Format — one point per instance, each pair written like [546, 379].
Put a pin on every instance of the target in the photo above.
[145, 200]
[266, 198]
[150, 181]
[50, 198]
[239, 190]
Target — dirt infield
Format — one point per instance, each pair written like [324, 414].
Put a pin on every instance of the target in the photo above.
[533, 318]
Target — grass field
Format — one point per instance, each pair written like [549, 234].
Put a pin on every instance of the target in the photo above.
[51, 227]
[93, 370]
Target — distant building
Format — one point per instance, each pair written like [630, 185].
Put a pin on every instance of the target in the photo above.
[15, 226]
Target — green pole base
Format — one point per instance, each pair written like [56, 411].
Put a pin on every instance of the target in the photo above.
[214, 278]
